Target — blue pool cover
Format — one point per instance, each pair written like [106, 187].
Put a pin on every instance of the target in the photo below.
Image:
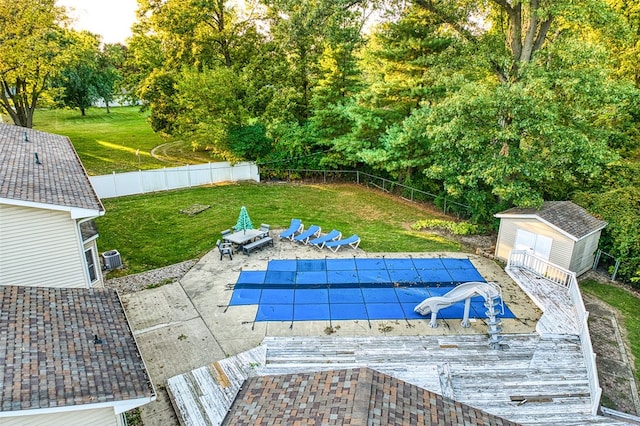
[355, 289]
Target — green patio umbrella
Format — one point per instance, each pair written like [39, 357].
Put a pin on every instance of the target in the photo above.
[244, 222]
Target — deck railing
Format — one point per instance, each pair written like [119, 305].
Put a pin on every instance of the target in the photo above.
[566, 280]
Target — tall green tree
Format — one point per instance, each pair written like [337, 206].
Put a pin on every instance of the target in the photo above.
[316, 42]
[78, 80]
[520, 107]
[32, 48]
[110, 62]
[402, 69]
[177, 37]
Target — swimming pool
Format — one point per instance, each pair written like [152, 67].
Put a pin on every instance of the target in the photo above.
[355, 288]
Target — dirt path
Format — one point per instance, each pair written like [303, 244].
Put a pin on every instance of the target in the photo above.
[615, 373]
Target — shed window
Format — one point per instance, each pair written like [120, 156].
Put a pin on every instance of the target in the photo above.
[534, 243]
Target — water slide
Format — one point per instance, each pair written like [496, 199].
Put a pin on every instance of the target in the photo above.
[466, 291]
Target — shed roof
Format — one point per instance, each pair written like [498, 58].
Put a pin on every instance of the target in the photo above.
[565, 216]
[48, 357]
[358, 396]
[60, 179]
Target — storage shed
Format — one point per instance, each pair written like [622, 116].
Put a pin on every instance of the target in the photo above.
[560, 232]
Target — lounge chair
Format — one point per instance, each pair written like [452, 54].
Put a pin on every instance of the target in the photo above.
[322, 240]
[304, 237]
[225, 248]
[353, 241]
[295, 228]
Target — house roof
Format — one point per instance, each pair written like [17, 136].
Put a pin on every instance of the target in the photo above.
[48, 357]
[358, 396]
[60, 179]
[565, 216]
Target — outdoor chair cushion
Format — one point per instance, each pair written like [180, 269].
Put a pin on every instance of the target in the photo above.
[312, 231]
[295, 228]
[322, 240]
[353, 241]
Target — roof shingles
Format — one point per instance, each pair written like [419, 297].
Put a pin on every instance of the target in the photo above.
[59, 180]
[564, 215]
[359, 396]
[48, 357]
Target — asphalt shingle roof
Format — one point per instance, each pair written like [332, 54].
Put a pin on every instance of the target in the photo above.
[565, 215]
[48, 357]
[359, 396]
[61, 178]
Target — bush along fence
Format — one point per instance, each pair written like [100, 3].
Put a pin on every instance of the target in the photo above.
[448, 206]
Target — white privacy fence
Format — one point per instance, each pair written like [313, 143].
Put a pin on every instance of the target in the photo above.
[143, 181]
[566, 281]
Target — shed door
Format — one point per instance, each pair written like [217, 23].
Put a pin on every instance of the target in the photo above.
[537, 244]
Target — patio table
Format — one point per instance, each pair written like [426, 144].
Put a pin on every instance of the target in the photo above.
[243, 237]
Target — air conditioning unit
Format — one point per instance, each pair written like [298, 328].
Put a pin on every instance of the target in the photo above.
[111, 259]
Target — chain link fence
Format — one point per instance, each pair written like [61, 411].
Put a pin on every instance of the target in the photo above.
[447, 205]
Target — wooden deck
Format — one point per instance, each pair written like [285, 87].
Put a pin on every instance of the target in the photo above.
[548, 374]
[535, 379]
[559, 315]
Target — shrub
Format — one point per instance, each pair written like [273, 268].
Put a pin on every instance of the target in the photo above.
[455, 228]
[619, 207]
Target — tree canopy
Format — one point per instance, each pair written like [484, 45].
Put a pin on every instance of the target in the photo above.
[491, 104]
[32, 48]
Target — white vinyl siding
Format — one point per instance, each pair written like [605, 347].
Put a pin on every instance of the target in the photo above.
[40, 247]
[97, 417]
[584, 253]
[562, 246]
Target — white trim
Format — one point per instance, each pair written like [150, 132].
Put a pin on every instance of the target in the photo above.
[118, 407]
[85, 267]
[535, 216]
[76, 212]
[591, 233]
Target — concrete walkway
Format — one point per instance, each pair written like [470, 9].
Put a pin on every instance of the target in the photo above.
[187, 324]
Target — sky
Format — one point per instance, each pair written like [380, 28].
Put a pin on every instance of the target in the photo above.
[111, 19]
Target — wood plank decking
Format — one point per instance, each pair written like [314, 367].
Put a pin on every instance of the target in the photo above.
[532, 381]
[559, 315]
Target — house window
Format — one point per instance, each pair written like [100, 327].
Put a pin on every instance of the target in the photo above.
[91, 264]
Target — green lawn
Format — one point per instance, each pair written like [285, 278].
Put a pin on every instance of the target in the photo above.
[150, 232]
[120, 141]
[627, 303]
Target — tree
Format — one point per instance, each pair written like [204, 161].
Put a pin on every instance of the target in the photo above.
[501, 122]
[78, 81]
[317, 74]
[619, 207]
[401, 70]
[527, 27]
[32, 48]
[110, 61]
[211, 107]
[197, 36]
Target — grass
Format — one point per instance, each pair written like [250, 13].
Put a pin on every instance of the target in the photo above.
[150, 232]
[627, 303]
[109, 143]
